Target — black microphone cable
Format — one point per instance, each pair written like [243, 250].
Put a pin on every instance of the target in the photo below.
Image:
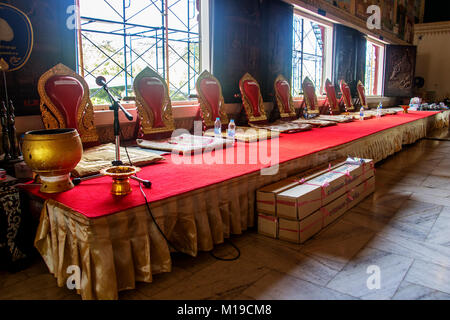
[238, 255]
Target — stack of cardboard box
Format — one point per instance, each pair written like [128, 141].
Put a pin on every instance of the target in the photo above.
[297, 208]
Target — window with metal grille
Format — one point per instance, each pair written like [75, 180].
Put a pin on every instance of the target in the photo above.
[309, 48]
[119, 38]
[374, 69]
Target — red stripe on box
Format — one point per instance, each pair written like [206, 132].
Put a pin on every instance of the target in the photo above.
[289, 230]
[272, 219]
[266, 202]
[311, 225]
[286, 203]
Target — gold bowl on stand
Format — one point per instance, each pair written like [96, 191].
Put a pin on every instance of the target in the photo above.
[53, 154]
[405, 108]
[121, 179]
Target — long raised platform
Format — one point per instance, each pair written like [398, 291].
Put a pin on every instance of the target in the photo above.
[197, 205]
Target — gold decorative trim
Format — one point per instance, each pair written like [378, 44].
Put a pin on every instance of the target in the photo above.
[205, 106]
[348, 107]
[279, 100]
[349, 19]
[335, 109]
[308, 102]
[145, 113]
[31, 40]
[432, 28]
[247, 103]
[54, 119]
[361, 85]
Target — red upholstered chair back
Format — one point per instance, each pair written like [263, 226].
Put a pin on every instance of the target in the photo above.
[211, 100]
[65, 103]
[284, 99]
[347, 96]
[362, 94]
[309, 94]
[331, 97]
[153, 105]
[252, 99]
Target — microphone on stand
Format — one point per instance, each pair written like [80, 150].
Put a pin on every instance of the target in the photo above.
[115, 106]
[101, 82]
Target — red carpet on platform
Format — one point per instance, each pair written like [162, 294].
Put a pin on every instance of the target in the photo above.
[92, 198]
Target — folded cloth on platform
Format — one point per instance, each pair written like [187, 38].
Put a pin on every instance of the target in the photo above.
[356, 115]
[335, 118]
[248, 134]
[373, 113]
[96, 158]
[186, 143]
[390, 111]
[284, 127]
[316, 122]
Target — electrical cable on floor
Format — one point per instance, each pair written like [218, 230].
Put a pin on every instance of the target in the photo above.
[162, 233]
[437, 139]
[147, 203]
[227, 259]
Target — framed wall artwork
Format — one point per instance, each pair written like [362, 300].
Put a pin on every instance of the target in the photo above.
[400, 70]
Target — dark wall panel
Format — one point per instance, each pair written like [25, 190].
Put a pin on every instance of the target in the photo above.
[252, 36]
[54, 42]
[277, 44]
[349, 57]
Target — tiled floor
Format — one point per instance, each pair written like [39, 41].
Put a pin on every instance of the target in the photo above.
[404, 229]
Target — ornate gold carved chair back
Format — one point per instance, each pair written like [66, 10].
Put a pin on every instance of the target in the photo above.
[153, 105]
[65, 103]
[211, 100]
[333, 103]
[310, 98]
[252, 99]
[347, 96]
[362, 95]
[284, 99]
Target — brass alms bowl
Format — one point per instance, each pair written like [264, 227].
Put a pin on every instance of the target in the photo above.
[120, 175]
[53, 154]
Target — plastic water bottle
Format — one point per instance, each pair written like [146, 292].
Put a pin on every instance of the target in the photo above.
[361, 113]
[218, 127]
[379, 110]
[231, 130]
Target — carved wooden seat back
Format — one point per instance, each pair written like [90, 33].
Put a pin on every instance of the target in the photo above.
[347, 96]
[153, 105]
[310, 98]
[333, 103]
[362, 94]
[284, 99]
[211, 100]
[65, 103]
[252, 99]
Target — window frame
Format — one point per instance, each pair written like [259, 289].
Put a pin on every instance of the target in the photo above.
[379, 76]
[327, 55]
[203, 55]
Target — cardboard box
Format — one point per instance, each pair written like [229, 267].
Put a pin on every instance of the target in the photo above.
[356, 174]
[361, 192]
[268, 225]
[300, 231]
[349, 200]
[335, 209]
[299, 202]
[266, 197]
